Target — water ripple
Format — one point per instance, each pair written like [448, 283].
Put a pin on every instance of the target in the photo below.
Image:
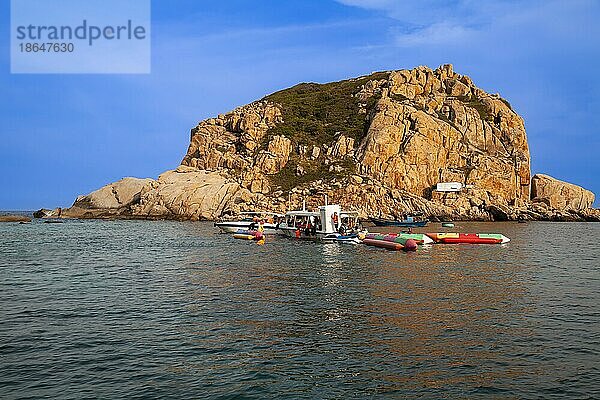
[136, 309]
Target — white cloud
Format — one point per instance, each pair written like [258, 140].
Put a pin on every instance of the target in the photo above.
[436, 34]
[425, 12]
[423, 22]
[370, 4]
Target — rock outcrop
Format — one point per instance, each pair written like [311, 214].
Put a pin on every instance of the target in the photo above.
[377, 144]
[187, 193]
[436, 126]
[184, 193]
[116, 195]
[560, 195]
[14, 218]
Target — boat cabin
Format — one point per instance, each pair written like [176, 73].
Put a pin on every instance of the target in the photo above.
[303, 219]
[327, 220]
[349, 222]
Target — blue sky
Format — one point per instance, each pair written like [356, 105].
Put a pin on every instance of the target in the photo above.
[65, 135]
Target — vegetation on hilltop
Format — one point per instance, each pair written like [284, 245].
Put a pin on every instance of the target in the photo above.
[314, 113]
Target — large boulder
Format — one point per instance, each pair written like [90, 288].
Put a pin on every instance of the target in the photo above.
[183, 193]
[187, 193]
[114, 195]
[559, 194]
[43, 213]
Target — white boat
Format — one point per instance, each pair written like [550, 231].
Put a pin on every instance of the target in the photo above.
[329, 223]
[354, 238]
[250, 221]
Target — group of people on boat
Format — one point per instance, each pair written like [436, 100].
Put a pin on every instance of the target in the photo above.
[258, 224]
[346, 224]
[308, 226]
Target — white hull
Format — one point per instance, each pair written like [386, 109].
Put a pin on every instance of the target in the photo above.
[331, 237]
[319, 235]
[234, 226]
[291, 232]
[338, 238]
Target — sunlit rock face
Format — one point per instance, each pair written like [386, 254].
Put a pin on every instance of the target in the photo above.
[377, 144]
[560, 195]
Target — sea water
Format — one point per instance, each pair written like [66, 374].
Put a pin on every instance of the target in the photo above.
[141, 309]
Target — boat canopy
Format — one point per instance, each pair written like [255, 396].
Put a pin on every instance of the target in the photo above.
[260, 213]
[302, 213]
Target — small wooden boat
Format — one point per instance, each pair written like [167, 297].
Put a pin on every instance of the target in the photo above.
[250, 220]
[472, 238]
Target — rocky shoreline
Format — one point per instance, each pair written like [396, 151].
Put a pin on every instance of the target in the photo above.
[130, 198]
[14, 218]
[376, 144]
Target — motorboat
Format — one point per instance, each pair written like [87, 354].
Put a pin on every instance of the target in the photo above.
[250, 221]
[329, 223]
[352, 238]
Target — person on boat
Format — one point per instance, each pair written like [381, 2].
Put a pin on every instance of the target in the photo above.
[311, 228]
[343, 229]
[254, 223]
[261, 226]
[335, 219]
[308, 227]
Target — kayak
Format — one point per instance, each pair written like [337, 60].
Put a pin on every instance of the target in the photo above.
[472, 238]
[401, 238]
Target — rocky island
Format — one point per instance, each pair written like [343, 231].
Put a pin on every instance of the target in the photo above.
[377, 144]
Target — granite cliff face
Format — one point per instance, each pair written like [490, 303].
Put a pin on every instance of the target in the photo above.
[377, 144]
[560, 195]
